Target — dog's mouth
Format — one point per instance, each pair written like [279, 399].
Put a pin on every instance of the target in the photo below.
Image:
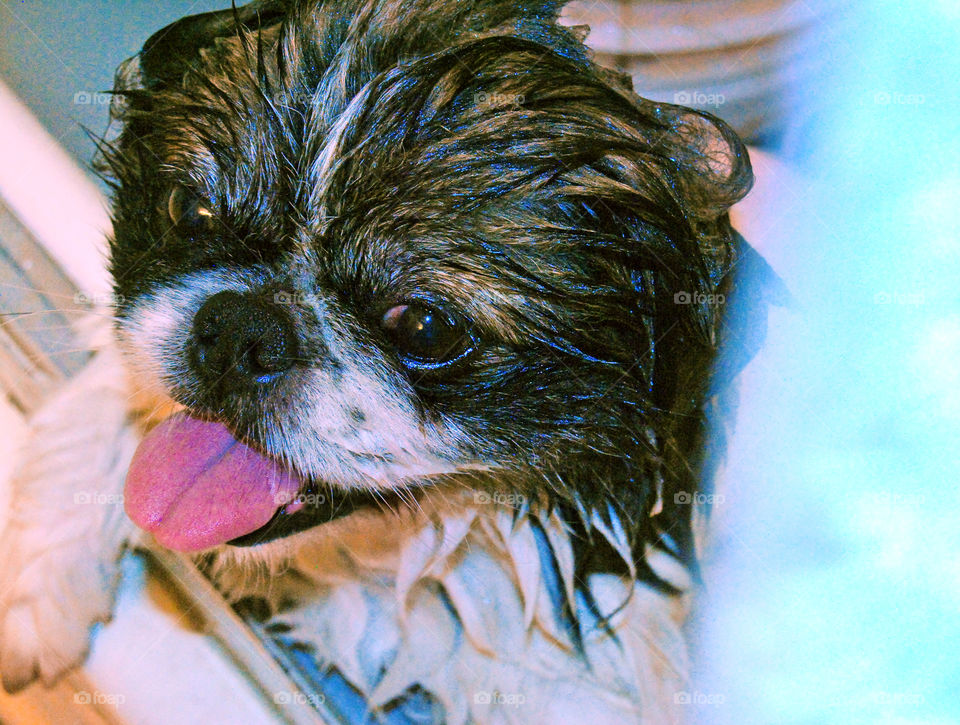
[313, 509]
[194, 485]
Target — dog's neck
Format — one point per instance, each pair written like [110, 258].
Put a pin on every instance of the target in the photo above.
[439, 594]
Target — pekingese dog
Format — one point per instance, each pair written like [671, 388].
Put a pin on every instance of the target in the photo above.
[422, 311]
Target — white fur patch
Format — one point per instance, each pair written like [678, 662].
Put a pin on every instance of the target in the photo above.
[61, 546]
[453, 598]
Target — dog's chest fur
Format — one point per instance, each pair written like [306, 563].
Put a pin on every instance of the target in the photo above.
[478, 608]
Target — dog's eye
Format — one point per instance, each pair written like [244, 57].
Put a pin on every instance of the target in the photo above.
[188, 211]
[426, 336]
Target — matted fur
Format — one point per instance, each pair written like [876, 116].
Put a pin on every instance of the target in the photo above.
[459, 600]
[470, 155]
[357, 155]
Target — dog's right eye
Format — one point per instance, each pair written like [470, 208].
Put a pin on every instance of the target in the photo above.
[426, 336]
[188, 211]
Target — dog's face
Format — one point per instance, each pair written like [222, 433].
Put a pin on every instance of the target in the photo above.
[398, 245]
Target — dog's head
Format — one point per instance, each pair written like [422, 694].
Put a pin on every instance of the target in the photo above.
[398, 246]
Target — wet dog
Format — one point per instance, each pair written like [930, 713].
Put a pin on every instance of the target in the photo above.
[422, 304]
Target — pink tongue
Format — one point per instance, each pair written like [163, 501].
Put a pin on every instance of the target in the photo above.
[193, 485]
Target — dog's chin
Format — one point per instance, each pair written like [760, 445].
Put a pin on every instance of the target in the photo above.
[317, 514]
[280, 545]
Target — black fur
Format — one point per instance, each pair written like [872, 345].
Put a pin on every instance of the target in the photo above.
[493, 170]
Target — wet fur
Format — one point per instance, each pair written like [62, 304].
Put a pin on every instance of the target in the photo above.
[469, 154]
[360, 156]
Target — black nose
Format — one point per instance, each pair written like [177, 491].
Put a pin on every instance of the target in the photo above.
[240, 340]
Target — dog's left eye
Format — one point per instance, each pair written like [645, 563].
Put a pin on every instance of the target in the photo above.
[426, 336]
[189, 212]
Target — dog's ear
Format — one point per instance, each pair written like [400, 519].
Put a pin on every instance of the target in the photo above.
[170, 52]
[713, 162]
